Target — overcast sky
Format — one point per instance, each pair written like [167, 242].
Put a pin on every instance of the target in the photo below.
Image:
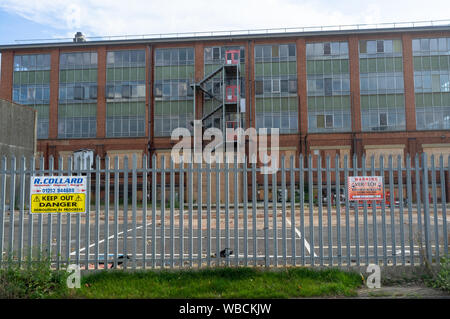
[43, 19]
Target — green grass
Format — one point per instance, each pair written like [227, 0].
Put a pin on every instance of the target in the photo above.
[218, 283]
[36, 280]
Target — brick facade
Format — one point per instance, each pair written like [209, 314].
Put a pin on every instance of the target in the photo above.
[356, 141]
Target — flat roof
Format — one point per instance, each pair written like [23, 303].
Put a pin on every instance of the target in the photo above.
[203, 36]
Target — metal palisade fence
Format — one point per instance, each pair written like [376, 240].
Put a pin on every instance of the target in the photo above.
[158, 214]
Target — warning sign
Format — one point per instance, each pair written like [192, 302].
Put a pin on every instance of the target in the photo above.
[58, 194]
[365, 188]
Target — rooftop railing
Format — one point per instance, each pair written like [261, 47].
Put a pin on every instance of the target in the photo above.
[174, 35]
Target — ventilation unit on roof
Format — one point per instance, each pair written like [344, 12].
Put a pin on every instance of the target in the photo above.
[79, 37]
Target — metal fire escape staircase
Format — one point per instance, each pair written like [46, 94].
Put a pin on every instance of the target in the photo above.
[229, 96]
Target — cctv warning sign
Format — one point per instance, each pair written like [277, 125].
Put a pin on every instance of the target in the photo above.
[58, 194]
[365, 188]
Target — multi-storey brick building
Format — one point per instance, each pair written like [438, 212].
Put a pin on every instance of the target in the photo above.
[373, 91]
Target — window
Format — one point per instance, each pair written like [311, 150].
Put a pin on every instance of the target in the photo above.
[276, 87]
[380, 46]
[431, 83]
[326, 48]
[172, 78]
[383, 119]
[327, 69]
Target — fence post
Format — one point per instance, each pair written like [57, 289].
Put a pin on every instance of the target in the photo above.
[2, 206]
[426, 208]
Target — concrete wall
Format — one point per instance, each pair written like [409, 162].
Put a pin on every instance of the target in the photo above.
[17, 138]
[17, 130]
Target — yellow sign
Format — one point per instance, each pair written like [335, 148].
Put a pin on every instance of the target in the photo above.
[58, 203]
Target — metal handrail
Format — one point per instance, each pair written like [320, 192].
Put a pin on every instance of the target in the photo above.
[195, 34]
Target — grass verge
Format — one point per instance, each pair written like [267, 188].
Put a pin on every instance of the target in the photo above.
[36, 280]
[218, 283]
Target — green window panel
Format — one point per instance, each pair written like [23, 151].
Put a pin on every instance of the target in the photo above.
[267, 69]
[435, 63]
[109, 74]
[158, 73]
[310, 67]
[16, 77]
[190, 71]
[174, 72]
[166, 72]
[141, 74]
[43, 111]
[398, 64]
[126, 76]
[276, 103]
[417, 63]
[389, 64]
[275, 69]
[24, 77]
[158, 108]
[328, 101]
[397, 46]
[363, 66]
[85, 76]
[382, 100]
[444, 62]
[182, 73]
[284, 106]
[284, 68]
[436, 99]
[320, 101]
[427, 99]
[311, 103]
[267, 105]
[327, 67]
[391, 100]
[133, 72]
[445, 99]
[345, 66]
[419, 99]
[345, 100]
[39, 76]
[426, 63]
[78, 75]
[399, 100]
[32, 77]
[70, 76]
[243, 69]
[93, 75]
[319, 67]
[372, 65]
[259, 105]
[293, 106]
[336, 66]
[381, 65]
[292, 68]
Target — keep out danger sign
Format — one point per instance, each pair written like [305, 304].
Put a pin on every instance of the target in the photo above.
[58, 194]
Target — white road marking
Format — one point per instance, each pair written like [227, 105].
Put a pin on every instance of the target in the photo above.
[299, 234]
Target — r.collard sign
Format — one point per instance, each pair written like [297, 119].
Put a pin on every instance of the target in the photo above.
[58, 194]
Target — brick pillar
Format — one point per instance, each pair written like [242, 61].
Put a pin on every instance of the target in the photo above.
[251, 104]
[353, 50]
[199, 74]
[408, 76]
[101, 85]
[302, 93]
[249, 62]
[6, 83]
[149, 93]
[54, 88]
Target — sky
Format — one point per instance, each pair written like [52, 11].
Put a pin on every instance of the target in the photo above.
[49, 19]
